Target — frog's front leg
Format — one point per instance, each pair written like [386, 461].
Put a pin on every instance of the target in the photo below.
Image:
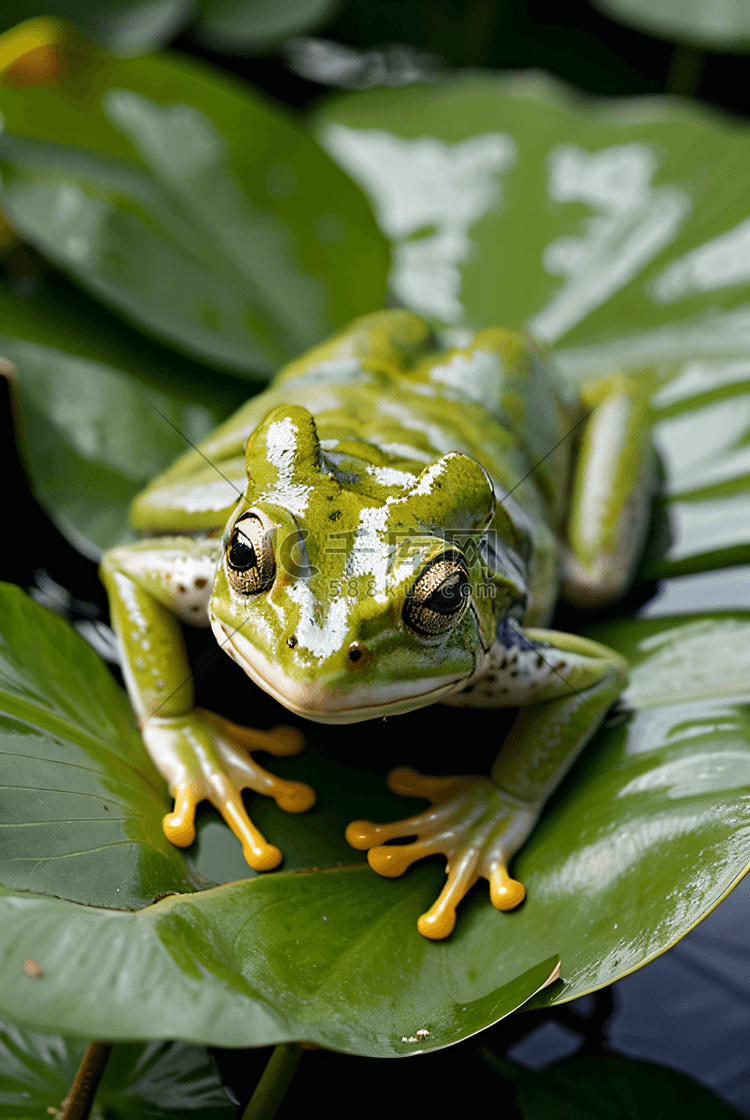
[200, 754]
[564, 686]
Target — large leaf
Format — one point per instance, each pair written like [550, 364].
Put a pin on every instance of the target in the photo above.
[81, 806]
[648, 833]
[722, 24]
[190, 205]
[616, 233]
[93, 437]
[160, 1081]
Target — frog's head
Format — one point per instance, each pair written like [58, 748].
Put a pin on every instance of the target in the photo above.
[344, 606]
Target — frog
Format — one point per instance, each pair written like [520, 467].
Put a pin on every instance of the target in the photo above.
[389, 525]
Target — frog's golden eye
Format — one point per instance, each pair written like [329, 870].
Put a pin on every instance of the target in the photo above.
[439, 597]
[251, 567]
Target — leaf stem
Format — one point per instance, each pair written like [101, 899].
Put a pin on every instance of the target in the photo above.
[80, 1097]
[274, 1082]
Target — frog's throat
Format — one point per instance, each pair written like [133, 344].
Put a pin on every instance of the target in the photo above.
[325, 705]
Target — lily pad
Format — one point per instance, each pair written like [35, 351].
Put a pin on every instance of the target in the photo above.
[81, 804]
[616, 233]
[191, 206]
[650, 830]
[159, 1081]
[93, 437]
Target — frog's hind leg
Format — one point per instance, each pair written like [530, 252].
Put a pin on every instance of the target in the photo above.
[612, 491]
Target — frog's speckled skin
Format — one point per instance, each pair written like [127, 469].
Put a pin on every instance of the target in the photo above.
[383, 474]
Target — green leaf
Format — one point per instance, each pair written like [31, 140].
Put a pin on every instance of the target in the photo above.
[187, 203]
[93, 437]
[126, 27]
[616, 233]
[611, 1087]
[159, 1081]
[649, 831]
[257, 26]
[101, 408]
[720, 25]
[81, 803]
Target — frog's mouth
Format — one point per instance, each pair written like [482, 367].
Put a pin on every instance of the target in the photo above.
[317, 702]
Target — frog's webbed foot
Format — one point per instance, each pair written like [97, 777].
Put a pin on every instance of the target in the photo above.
[473, 823]
[204, 756]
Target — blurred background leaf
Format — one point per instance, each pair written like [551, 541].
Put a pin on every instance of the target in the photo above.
[257, 26]
[617, 234]
[189, 204]
[712, 24]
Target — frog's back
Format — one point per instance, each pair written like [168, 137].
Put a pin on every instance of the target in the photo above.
[387, 400]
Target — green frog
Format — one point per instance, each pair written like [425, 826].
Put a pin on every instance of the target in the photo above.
[389, 525]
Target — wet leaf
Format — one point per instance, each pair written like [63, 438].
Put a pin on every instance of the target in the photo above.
[615, 233]
[650, 830]
[93, 437]
[81, 804]
[190, 205]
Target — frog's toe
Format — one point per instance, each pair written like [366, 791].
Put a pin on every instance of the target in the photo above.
[392, 860]
[408, 782]
[437, 922]
[505, 893]
[261, 855]
[365, 834]
[293, 797]
[179, 825]
[286, 741]
[246, 773]
[278, 741]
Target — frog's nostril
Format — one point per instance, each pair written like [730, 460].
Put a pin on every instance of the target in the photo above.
[355, 654]
[292, 641]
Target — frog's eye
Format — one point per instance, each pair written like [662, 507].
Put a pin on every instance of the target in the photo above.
[439, 597]
[251, 567]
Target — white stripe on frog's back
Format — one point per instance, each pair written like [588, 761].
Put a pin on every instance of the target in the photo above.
[281, 445]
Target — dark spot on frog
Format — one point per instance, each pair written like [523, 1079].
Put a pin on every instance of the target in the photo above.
[181, 588]
[330, 497]
[539, 661]
[201, 582]
[195, 609]
[437, 485]
[292, 641]
[335, 515]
